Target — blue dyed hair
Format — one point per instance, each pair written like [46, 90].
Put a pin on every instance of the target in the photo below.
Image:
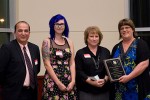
[52, 22]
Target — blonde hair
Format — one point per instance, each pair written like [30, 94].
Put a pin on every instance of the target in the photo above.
[92, 29]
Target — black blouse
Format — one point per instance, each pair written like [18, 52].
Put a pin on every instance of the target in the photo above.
[87, 64]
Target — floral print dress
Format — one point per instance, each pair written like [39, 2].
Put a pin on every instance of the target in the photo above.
[59, 59]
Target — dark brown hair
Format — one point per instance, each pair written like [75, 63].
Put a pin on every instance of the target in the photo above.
[128, 22]
[15, 27]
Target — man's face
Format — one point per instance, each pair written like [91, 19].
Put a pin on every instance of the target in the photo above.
[22, 33]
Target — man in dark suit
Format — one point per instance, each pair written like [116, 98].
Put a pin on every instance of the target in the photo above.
[18, 80]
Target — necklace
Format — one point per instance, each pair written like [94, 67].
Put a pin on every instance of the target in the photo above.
[96, 63]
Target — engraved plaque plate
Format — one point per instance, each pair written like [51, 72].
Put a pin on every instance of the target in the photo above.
[114, 68]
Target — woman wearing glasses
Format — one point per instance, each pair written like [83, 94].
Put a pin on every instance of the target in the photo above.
[58, 58]
[134, 53]
[91, 78]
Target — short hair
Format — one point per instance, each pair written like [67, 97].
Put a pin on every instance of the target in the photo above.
[92, 29]
[128, 22]
[15, 27]
[52, 22]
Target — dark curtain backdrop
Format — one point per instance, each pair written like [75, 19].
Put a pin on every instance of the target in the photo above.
[140, 12]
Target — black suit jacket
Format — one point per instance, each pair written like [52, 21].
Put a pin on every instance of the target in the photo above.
[13, 69]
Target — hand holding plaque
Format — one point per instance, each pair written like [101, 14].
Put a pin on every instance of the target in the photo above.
[114, 68]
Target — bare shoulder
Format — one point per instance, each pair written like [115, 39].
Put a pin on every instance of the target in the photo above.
[46, 42]
[70, 41]
[70, 44]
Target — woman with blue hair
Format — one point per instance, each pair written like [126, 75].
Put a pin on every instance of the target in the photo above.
[58, 58]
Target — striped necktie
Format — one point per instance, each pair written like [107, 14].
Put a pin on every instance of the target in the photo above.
[30, 69]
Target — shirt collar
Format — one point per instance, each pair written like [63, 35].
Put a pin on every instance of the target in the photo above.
[23, 45]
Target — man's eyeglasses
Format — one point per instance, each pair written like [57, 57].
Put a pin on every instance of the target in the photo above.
[59, 25]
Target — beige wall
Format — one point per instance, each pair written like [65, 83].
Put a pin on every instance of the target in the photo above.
[79, 13]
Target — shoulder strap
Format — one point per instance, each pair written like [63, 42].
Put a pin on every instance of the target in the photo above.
[67, 42]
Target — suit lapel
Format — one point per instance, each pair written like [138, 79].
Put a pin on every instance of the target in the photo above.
[19, 51]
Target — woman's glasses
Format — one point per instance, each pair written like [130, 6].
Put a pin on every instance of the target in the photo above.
[125, 27]
[59, 25]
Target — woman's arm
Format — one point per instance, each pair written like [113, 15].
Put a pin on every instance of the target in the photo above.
[72, 62]
[72, 66]
[139, 69]
[142, 60]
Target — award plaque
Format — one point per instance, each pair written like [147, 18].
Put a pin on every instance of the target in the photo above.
[114, 68]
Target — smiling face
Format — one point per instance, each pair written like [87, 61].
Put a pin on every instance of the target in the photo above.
[59, 27]
[93, 39]
[22, 33]
[126, 29]
[92, 36]
[126, 32]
